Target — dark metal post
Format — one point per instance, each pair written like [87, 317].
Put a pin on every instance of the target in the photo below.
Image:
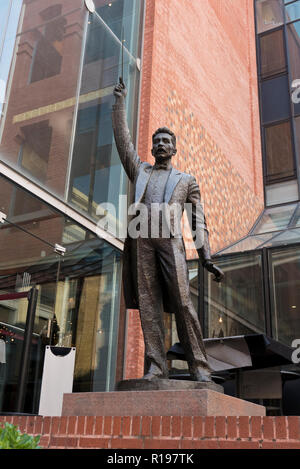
[201, 298]
[266, 291]
[25, 362]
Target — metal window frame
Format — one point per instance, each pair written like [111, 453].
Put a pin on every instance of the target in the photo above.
[282, 27]
[266, 285]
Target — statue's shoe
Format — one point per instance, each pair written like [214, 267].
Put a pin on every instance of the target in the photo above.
[201, 375]
[155, 372]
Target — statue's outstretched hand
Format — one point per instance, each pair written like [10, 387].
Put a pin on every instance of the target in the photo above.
[218, 273]
[120, 90]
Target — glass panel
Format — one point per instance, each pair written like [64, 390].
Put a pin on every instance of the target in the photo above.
[293, 33]
[43, 65]
[248, 244]
[122, 14]
[275, 219]
[8, 28]
[297, 136]
[19, 252]
[285, 298]
[4, 15]
[236, 305]
[96, 170]
[282, 192]
[272, 54]
[78, 294]
[286, 237]
[279, 152]
[275, 99]
[293, 11]
[269, 14]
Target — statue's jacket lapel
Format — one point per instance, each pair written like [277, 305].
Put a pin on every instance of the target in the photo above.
[143, 179]
[172, 182]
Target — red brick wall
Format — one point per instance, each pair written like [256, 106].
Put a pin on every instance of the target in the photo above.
[168, 432]
[199, 78]
[135, 349]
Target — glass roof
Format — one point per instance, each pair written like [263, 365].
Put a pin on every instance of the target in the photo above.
[276, 226]
[274, 219]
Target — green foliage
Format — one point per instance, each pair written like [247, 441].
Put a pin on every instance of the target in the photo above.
[12, 438]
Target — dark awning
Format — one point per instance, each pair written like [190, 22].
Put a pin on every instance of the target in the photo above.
[251, 351]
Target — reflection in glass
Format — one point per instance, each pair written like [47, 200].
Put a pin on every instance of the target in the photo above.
[282, 192]
[236, 305]
[293, 33]
[279, 152]
[284, 238]
[272, 54]
[78, 295]
[285, 297]
[269, 14]
[248, 244]
[9, 20]
[43, 69]
[275, 99]
[275, 219]
[293, 11]
[97, 176]
[297, 218]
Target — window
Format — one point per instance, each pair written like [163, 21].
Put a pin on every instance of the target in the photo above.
[275, 219]
[292, 11]
[293, 33]
[279, 152]
[275, 99]
[269, 14]
[47, 58]
[235, 306]
[35, 149]
[272, 54]
[285, 297]
[282, 192]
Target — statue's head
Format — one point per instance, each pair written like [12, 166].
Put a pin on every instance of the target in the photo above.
[163, 144]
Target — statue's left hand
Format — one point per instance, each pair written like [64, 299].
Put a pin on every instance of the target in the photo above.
[218, 273]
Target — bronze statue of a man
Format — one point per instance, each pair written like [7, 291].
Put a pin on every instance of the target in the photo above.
[155, 274]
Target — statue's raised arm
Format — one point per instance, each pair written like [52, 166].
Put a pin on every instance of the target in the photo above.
[126, 150]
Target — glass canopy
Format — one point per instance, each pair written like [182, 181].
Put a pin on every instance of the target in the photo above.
[276, 226]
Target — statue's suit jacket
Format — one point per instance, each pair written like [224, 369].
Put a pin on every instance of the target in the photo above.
[181, 189]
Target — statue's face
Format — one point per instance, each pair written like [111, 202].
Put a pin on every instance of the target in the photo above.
[162, 146]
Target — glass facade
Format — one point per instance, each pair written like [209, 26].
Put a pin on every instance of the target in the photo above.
[235, 306]
[59, 64]
[95, 170]
[278, 49]
[285, 293]
[78, 297]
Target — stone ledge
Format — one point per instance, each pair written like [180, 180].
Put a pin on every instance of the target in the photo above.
[188, 402]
